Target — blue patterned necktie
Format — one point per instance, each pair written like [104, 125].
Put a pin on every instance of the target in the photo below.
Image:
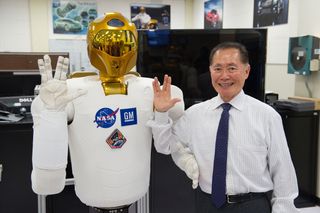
[218, 192]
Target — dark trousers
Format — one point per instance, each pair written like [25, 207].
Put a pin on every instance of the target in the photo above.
[257, 205]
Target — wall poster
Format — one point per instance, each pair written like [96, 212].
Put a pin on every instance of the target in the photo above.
[71, 18]
[270, 12]
[150, 16]
[213, 13]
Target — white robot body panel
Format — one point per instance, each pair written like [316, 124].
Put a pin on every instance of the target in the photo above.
[110, 145]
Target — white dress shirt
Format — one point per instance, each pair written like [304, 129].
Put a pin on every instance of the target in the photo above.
[258, 155]
[144, 19]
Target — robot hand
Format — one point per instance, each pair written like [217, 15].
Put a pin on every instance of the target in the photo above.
[186, 161]
[53, 91]
[192, 171]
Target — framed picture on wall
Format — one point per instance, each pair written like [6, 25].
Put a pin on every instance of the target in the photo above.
[70, 19]
[150, 16]
[270, 12]
[213, 13]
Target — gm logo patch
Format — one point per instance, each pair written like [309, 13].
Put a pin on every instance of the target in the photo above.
[128, 116]
[106, 117]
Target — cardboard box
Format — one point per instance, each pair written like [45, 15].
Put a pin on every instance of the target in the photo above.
[315, 100]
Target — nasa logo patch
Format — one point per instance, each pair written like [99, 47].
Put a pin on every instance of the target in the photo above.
[116, 140]
[128, 116]
[105, 117]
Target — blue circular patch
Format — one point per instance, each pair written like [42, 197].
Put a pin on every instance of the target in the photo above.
[105, 117]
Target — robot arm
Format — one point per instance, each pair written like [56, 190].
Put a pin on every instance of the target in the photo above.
[50, 139]
[50, 149]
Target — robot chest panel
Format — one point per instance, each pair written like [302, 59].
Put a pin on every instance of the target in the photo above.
[113, 111]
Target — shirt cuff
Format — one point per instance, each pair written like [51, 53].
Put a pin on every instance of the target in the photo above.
[161, 117]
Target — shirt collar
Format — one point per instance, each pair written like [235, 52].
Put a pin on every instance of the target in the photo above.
[237, 102]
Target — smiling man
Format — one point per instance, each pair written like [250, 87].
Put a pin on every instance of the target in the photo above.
[229, 69]
[242, 160]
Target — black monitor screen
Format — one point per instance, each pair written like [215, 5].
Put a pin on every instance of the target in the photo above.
[184, 55]
[19, 72]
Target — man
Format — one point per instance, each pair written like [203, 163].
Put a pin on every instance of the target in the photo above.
[256, 152]
[143, 18]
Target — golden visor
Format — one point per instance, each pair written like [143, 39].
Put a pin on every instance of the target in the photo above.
[115, 42]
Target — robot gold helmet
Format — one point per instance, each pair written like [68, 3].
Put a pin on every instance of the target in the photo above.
[112, 46]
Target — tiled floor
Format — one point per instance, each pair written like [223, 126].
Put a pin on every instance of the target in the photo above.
[315, 209]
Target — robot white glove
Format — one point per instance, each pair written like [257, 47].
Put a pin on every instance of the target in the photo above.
[186, 161]
[53, 90]
[192, 171]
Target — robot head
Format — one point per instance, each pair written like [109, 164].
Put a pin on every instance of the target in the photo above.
[112, 46]
[153, 24]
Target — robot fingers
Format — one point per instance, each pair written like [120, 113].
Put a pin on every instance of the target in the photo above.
[62, 68]
[195, 177]
[195, 183]
[45, 68]
[44, 78]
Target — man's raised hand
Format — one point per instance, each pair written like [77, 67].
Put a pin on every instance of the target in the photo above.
[162, 95]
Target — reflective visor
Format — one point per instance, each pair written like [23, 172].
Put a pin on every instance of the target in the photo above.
[115, 42]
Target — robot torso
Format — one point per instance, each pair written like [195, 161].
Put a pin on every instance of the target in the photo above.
[110, 145]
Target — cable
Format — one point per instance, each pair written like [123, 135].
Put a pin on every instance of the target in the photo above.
[306, 82]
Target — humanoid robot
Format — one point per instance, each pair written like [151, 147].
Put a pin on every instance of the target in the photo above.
[102, 119]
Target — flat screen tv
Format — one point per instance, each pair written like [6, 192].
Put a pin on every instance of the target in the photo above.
[184, 54]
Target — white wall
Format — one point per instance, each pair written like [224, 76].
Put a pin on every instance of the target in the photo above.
[238, 14]
[39, 20]
[197, 14]
[308, 24]
[15, 26]
[30, 31]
